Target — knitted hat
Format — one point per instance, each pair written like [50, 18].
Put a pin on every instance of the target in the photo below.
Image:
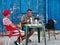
[6, 12]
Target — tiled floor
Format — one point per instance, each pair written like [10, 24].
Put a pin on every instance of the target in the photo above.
[34, 38]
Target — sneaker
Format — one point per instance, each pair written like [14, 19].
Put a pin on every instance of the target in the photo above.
[16, 43]
[29, 40]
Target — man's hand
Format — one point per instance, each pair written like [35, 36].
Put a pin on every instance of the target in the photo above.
[25, 21]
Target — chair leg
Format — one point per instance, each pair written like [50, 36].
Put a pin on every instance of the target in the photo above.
[5, 41]
[49, 35]
[21, 41]
[54, 34]
[9, 41]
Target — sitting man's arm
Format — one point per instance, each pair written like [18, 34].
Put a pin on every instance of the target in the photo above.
[8, 22]
[24, 20]
[12, 25]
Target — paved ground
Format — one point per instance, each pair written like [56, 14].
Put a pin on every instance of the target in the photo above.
[34, 38]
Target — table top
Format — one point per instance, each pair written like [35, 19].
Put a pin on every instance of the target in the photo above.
[36, 25]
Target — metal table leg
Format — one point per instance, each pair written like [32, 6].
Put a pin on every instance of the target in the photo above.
[26, 35]
[38, 35]
[44, 35]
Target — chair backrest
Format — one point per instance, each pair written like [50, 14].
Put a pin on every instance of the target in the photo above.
[9, 28]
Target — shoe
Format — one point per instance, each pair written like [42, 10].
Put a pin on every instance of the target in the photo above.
[16, 43]
[29, 40]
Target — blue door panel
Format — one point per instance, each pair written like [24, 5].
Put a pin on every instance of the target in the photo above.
[19, 7]
[54, 11]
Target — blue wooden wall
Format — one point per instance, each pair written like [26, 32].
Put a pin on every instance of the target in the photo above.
[19, 7]
[49, 9]
[54, 11]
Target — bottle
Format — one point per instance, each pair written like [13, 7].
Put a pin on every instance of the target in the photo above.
[31, 20]
[36, 22]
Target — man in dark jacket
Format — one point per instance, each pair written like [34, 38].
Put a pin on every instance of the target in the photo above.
[50, 27]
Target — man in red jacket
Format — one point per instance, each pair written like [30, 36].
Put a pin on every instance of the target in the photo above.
[10, 26]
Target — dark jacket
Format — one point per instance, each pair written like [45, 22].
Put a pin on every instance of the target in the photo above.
[50, 24]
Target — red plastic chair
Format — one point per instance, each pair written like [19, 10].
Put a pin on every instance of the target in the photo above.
[11, 32]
